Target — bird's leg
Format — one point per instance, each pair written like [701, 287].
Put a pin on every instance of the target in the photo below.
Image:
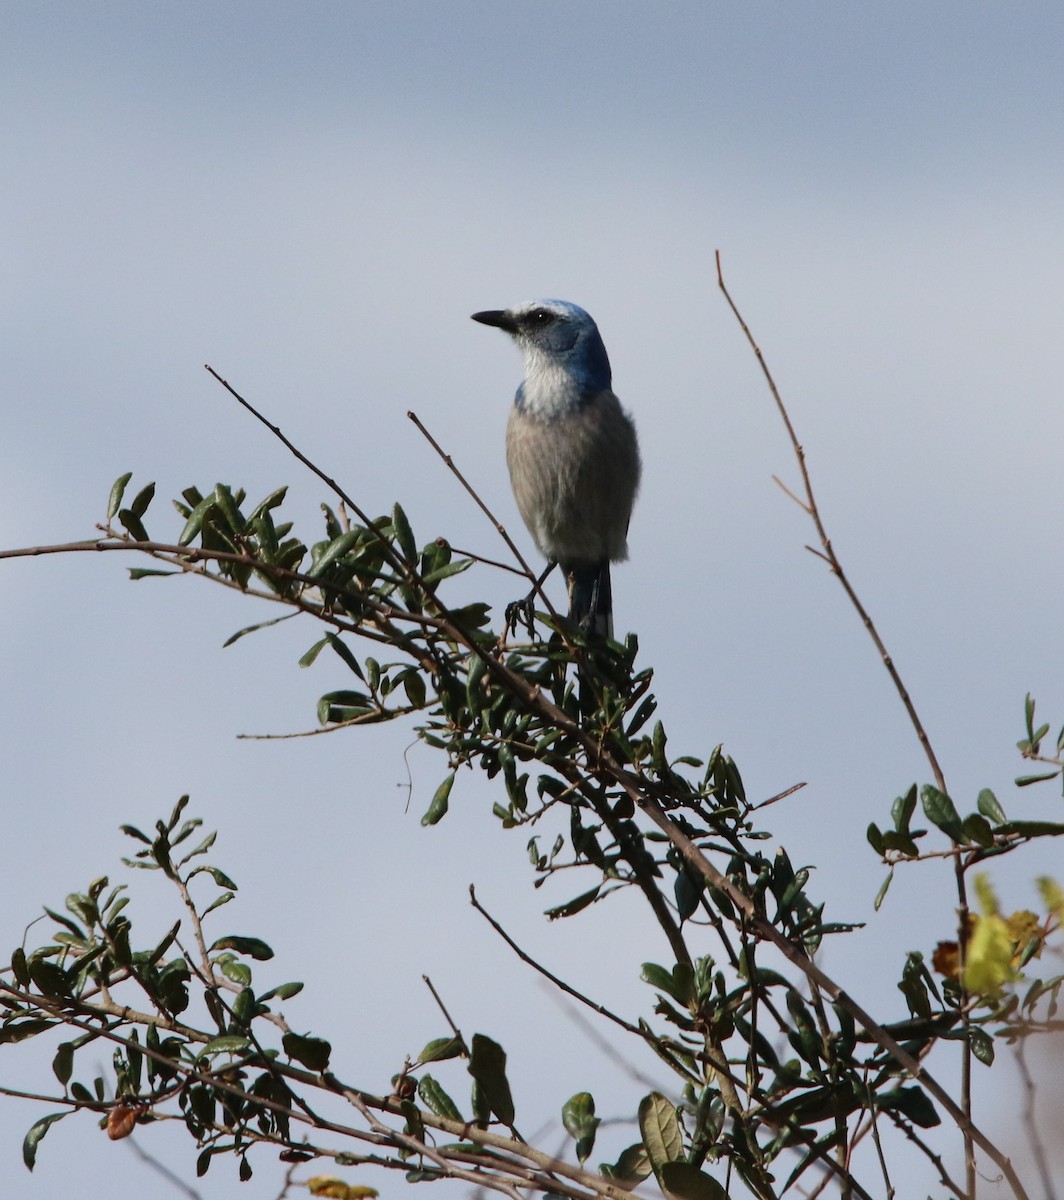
[593, 608]
[523, 611]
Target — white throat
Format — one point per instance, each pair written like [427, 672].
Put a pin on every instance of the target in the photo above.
[549, 390]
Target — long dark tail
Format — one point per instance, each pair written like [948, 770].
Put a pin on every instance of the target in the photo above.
[591, 597]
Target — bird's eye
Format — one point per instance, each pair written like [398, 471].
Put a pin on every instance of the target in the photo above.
[541, 317]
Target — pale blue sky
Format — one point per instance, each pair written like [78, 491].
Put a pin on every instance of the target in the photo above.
[313, 198]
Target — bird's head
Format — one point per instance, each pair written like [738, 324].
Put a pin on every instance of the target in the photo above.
[563, 349]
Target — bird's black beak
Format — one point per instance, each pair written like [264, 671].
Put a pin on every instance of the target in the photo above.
[500, 318]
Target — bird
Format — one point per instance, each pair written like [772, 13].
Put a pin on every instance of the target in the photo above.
[571, 450]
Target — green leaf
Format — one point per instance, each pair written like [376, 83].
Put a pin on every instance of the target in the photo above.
[312, 1052]
[631, 1168]
[63, 1063]
[688, 893]
[228, 1043]
[403, 534]
[990, 808]
[658, 742]
[572, 907]
[440, 1048]
[308, 658]
[195, 520]
[143, 498]
[437, 810]
[982, 1046]
[414, 686]
[49, 979]
[1027, 780]
[901, 842]
[660, 1127]
[911, 1102]
[677, 983]
[283, 991]
[235, 637]
[977, 829]
[686, 1182]
[33, 1139]
[133, 525]
[227, 506]
[578, 1117]
[19, 968]
[19, 1031]
[477, 669]
[114, 502]
[335, 550]
[437, 1099]
[252, 947]
[875, 838]
[882, 893]
[444, 572]
[938, 808]
[224, 898]
[217, 874]
[236, 972]
[902, 809]
[271, 501]
[149, 573]
[344, 705]
[1031, 829]
[342, 649]
[487, 1065]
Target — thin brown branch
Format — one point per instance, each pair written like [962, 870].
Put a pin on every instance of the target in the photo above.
[149, 1160]
[643, 792]
[603, 1045]
[560, 984]
[874, 1123]
[810, 505]
[796, 787]
[1030, 1120]
[443, 1009]
[797, 955]
[294, 450]
[482, 559]
[503, 1152]
[827, 552]
[500, 529]
[377, 716]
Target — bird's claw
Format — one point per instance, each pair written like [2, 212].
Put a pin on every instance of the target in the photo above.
[521, 612]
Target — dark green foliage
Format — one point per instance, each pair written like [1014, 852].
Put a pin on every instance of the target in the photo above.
[770, 1072]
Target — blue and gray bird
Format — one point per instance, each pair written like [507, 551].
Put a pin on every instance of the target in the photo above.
[571, 450]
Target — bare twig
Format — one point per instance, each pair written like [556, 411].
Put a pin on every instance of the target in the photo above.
[603, 1045]
[161, 1169]
[873, 1118]
[1030, 1122]
[558, 983]
[499, 527]
[443, 1009]
[809, 505]
[297, 453]
[796, 787]
[827, 553]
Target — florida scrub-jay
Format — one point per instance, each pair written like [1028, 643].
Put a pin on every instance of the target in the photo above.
[571, 450]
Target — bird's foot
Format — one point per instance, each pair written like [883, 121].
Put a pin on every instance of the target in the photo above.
[522, 612]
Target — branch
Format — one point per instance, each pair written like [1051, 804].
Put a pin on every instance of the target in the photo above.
[809, 505]
[500, 529]
[827, 552]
